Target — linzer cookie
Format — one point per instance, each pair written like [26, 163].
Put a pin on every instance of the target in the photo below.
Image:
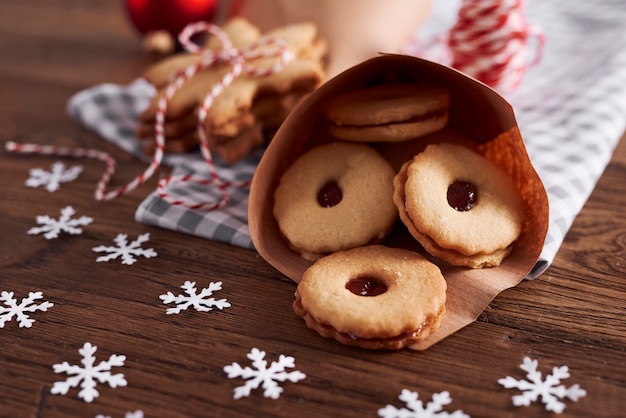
[372, 297]
[459, 205]
[388, 112]
[335, 197]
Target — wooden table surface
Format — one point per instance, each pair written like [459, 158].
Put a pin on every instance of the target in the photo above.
[572, 315]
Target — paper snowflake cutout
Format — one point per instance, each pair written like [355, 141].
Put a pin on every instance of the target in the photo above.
[415, 407]
[89, 375]
[136, 414]
[125, 250]
[52, 227]
[199, 301]
[53, 179]
[535, 387]
[267, 376]
[20, 311]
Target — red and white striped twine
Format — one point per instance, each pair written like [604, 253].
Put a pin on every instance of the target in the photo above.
[229, 55]
[490, 42]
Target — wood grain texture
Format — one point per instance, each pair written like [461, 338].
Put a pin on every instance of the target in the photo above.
[573, 314]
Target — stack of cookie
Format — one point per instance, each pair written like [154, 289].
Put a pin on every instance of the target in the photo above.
[250, 107]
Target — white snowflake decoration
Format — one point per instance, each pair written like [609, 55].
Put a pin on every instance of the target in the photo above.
[535, 387]
[53, 179]
[20, 311]
[125, 250]
[89, 375]
[199, 301]
[415, 407]
[267, 376]
[52, 227]
[136, 414]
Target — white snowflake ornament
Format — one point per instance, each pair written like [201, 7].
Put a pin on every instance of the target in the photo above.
[20, 311]
[549, 389]
[416, 409]
[200, 301]
[126, 251]
[267, 376]
[53, 179]
[53, 227]
[88, 375]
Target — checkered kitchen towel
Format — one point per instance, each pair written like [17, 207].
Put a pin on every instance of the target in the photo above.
[571, 110]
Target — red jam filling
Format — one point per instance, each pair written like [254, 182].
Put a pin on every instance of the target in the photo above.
[366, 286]
[329, 195]
[461, 196]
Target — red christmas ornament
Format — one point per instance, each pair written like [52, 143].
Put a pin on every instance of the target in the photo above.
[170, 15]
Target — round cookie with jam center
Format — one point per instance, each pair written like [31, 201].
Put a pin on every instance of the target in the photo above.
[373, 297]
[388, 112]
[462, 208]
[335, 197]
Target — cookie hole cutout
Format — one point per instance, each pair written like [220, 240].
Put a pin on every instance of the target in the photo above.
[366, 286]
[329, 194]
[462, 196]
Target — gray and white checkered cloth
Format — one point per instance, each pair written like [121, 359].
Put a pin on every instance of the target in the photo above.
[571, 110]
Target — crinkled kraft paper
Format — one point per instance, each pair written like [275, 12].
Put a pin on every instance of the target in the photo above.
[478, 113]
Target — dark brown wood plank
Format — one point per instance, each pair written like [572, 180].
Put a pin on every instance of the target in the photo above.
[572, 315]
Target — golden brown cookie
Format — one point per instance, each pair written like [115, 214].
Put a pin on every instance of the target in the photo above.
[299, 36]
[388, 112]
[161, 73]
[272, 109]
[186, 124]
[374, 297]
[234, 149]
[240, 31]
[175, 145]
[462, 208]
[335, 197]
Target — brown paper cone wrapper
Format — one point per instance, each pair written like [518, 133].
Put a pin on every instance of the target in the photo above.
[477, 113]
